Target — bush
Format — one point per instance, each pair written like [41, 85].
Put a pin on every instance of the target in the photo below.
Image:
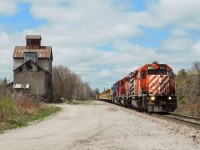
[182, 100]
[189, 110]
[19, 112]
[68, 85]
[8, 109]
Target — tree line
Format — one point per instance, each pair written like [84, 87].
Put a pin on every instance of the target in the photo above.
[68, 85]
[188, 84]
[3, 87]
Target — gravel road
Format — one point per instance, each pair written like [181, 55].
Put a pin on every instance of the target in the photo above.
[98, 126]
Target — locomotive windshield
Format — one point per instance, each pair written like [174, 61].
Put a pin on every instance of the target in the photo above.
[157, 71]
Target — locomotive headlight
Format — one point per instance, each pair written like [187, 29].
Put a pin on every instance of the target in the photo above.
[159, 80]
[169, 98]
[152, 98]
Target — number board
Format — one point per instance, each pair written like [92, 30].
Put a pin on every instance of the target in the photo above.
[151, 68]
[162, 67]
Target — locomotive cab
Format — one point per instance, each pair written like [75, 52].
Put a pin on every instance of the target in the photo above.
[157, 88]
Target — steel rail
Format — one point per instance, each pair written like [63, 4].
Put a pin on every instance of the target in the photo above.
[180, 119]
[185, 117]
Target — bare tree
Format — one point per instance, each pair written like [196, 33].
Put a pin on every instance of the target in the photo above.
[188, 85]
[181, 85]
[68, 85]
[154, 62]
[196, 67]
[3, 89]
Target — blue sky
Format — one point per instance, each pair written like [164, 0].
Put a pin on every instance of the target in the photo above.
[22, 19]
[104, 40]
[151, 37]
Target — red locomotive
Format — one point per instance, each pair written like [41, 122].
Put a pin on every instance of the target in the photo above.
[150, 88]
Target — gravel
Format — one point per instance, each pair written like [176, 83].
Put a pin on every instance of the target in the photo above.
[101, 126]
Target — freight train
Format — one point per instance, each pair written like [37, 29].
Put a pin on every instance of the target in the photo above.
[150, 88]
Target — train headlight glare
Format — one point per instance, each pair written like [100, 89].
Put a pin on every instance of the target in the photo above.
[169, 98]
[152, 98]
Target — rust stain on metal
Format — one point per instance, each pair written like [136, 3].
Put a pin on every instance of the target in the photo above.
[33, 37]
[44, 52]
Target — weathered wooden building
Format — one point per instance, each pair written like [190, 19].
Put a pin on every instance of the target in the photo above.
[32, 67]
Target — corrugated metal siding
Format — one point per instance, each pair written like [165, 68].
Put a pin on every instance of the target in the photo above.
[33, 37]
[44, 52]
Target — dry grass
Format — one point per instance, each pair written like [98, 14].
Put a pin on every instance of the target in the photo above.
[29, 107]
[79, 102]
[19, 112]
[112, 109]
[189, 109]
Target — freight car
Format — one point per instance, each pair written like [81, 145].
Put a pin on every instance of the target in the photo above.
[106, 95]
[150, 88]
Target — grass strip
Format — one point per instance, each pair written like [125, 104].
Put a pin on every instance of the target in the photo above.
[24, 120]
[79, 102]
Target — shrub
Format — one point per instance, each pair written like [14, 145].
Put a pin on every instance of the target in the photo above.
[19, 112]
[189, 109]
[7, 108]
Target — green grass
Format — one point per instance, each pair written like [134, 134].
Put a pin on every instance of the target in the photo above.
[12, 116]
[79, 102]
[45, 112]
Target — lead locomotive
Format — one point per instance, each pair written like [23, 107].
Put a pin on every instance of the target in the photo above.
[150, 88]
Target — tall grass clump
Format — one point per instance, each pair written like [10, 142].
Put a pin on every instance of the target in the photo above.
[7, 109]
[18, 110]
[192, 110]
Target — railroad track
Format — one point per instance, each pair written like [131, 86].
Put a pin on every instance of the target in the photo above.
[179, 119]
[185, 117]
[187, 120]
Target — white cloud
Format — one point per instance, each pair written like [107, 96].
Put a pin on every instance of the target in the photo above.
[105, 73]
[76, 28]
[180, 12]
[7, 45]
[4, 38]
[8, 7]
[98, 20]
[179, 33]
[177, 45]
[196, 48]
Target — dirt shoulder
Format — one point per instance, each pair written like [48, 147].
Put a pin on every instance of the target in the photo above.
[95, 126]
